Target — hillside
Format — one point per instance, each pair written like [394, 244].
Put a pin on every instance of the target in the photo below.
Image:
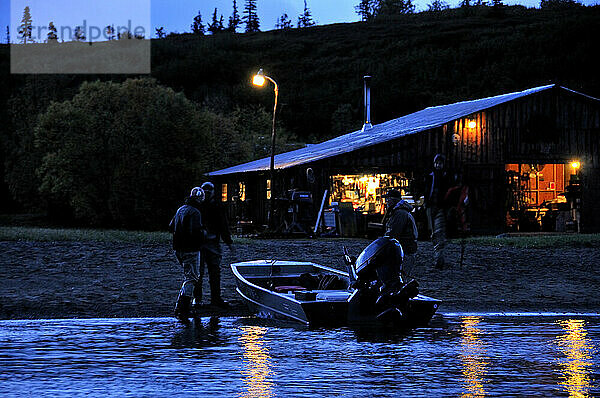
[416, 61]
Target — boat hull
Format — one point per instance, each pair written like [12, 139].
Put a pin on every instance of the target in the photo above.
[255, 283]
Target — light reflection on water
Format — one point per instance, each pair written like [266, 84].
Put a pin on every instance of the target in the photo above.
[473, 357]
[576, 366]
[257, 363]
[462, 355]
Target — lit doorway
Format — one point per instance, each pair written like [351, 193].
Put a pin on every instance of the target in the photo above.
[543, 197]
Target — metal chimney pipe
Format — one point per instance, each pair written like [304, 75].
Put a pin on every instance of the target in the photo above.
[367, 101]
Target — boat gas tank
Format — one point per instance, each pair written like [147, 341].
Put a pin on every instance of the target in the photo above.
[382, 251]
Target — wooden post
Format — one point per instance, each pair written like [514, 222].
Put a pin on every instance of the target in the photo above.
[320, 212]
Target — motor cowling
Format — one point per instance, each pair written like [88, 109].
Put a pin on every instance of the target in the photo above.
[381, 291]
[380, 261]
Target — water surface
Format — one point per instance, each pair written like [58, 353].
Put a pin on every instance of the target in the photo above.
[459, 355]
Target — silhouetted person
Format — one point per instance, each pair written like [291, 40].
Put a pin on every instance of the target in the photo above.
[188, 236]
[217, 226]
[400, 225]
[439, 181]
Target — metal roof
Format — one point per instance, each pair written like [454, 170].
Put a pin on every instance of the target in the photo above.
[425, 119]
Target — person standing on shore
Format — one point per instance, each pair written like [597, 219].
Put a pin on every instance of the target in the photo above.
[188, 236]
[439, 181]
[217, 227]
[400, 225]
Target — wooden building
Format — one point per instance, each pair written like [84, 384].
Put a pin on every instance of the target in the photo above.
[531, 159]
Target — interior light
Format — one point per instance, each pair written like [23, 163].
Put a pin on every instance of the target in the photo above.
[575, 164]
[472, 124]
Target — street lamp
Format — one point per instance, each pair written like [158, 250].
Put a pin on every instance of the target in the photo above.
[259, 80]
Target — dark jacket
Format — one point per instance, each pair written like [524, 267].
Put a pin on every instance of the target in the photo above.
[188, 232]
[216, 223]
[437, 184]
[401, 225]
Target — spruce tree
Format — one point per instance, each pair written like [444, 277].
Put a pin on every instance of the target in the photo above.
[234, 19]
[52, 36]
[305, 19]
[78, 34]
[160, 32]
[26, 27]
[109, 31]
[437, 5]
[366, 9]
[251, 17]
[284, 22]
[7, 34]
[395, 7]
[216, 25]
[197, 25]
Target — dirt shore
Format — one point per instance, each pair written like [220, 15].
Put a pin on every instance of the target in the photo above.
[95, 279]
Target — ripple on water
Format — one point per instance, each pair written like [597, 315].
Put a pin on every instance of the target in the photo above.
[459, 355]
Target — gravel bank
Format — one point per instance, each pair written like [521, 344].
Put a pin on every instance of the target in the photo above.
[98, 279]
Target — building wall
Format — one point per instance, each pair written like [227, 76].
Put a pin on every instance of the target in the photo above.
[553, 126]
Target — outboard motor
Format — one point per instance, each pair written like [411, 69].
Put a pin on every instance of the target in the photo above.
[381, 291]
[381, 261]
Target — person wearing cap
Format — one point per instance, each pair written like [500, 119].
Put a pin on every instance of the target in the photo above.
[400, 225]
[439, 182]
[188, 236]
[217, 227]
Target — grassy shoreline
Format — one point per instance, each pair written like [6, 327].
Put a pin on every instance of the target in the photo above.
[38, 234]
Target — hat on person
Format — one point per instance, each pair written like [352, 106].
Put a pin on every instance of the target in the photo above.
[208, 186]
[197, 193]
[404, 204]
[393, 193]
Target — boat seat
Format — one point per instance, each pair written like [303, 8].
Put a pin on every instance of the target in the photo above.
[284, 289]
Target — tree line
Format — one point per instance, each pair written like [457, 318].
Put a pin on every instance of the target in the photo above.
[249, 19]
[75, 34]
[368, 10]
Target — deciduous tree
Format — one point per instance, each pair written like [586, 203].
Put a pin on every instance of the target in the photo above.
[122, 154]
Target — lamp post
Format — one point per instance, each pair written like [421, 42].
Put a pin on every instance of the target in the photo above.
[259, 80]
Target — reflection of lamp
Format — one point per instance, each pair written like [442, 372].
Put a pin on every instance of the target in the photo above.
[473, 357]
[257, 363]
[259, 81]
[576, 365]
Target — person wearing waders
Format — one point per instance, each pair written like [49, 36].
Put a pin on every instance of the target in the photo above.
[188, 236]
[400, 225]
[217, 228]
[439, 181]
